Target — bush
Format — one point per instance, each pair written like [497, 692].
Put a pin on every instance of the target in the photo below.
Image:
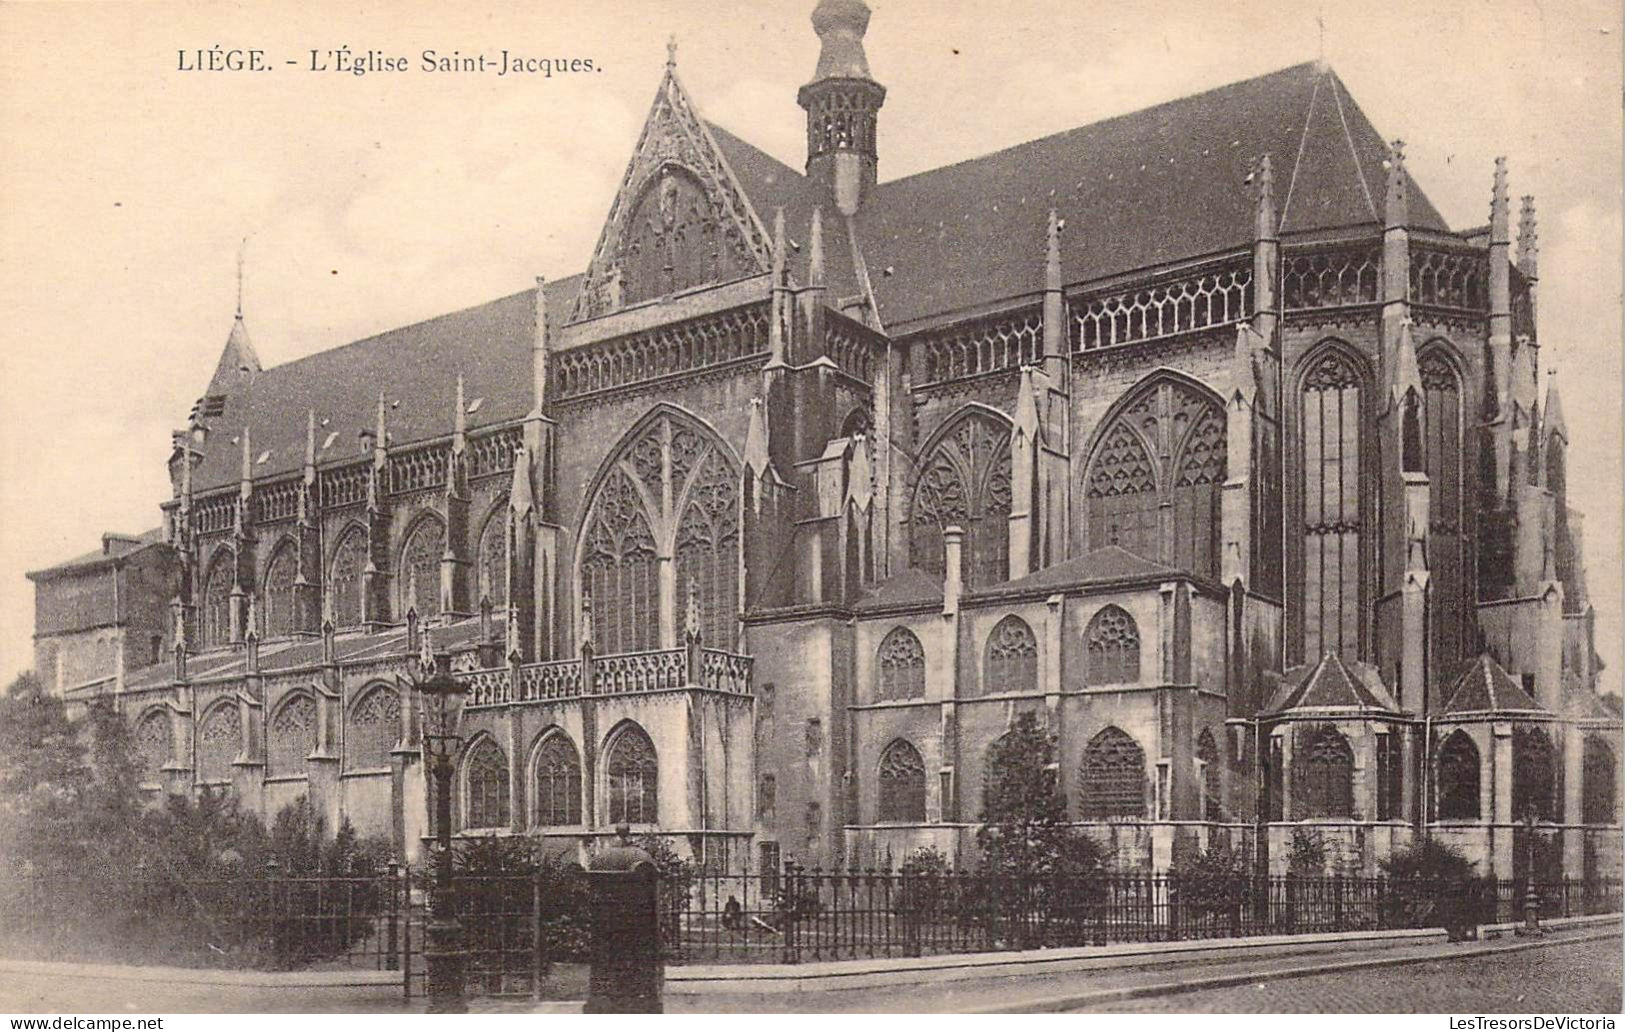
[1433, 884]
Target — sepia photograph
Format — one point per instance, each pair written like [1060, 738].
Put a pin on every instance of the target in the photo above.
[811, 506]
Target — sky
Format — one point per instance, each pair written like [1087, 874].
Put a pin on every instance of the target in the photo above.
[128, 185]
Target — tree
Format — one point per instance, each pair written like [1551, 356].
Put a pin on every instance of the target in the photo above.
[43, 771]
[1024, 825]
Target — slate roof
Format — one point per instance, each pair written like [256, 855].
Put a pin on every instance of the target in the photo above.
[1484, 687]
[1109, 565]
[124, 545]
[1332, 683]
[913, 586]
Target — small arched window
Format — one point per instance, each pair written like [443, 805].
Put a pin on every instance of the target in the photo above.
[1533, 775]
[277, 613]
[375, 728]
[291, 736]
[152, 745]
[493, 564]
[1207, 753]
[1458, 778]
[1597, 782]
[217, 600]
[1324, 775]
[219, 741]
[486, 783]
[634, 796]
[420, 568]
[1112, 778]
[344, 579]
[900, 666]
[1114, 647]
[1011, 660]
[558, 782]
[902, 784]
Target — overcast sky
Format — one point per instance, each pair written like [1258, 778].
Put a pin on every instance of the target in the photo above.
[375, 201]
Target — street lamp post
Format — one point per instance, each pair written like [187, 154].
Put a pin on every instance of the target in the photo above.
[1531, 898]
[443, 952]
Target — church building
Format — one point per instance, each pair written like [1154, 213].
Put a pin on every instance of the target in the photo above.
[1195, 432]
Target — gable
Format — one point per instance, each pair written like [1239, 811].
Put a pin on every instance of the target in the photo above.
[679, 220]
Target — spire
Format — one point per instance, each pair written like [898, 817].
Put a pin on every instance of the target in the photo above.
[842, 102]
[757, 456]
[1555, 424]
[671, 53]
[1528, 240]
[815, 250]
[1396, 203]
[1499, 214]
[1407, 371]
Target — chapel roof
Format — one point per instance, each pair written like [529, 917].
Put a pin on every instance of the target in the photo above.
[1332, 683]
[1484, 686]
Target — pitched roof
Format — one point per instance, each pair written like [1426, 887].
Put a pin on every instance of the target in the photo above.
[1332, 683]
[1109, 565]
[1484, 687]
[114, 546]
[913, 586]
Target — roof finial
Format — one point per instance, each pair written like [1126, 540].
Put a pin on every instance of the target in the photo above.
[815, 250]
[1320, 22]
[1498, 205]
[1528, 239]
[242, 256]
[671, 52]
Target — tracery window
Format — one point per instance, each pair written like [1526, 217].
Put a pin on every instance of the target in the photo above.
[420, 568]
[1114, 647]
[1458, 778]
[375, 728]
[344, 578]
[1011, 663]
[1442, 460]
[277, 606]
[291, 736]
[217, 600]
[1323, 775]
[669, 490]
[1332, 521]
[1534, 775]
[493, 560]
[965, 482]
[558, 782]
[219, 741]
[1598, 773]
[485, 774]
[1207, 751]
[1111, 781]
[634, 796]
[152, 745]
[902, 784]
[675, 240]
[1164, 449]
[900, 666]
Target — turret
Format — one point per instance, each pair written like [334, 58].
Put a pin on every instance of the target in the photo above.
[842, 102]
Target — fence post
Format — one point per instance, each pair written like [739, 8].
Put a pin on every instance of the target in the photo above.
[789, 903]
[538, 948]
[392, 885]
[1337, 902]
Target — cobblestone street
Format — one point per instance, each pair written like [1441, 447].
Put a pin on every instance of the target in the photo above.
[1577, 978]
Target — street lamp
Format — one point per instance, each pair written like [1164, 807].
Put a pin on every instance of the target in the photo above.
[442, 705]
[1531, 899]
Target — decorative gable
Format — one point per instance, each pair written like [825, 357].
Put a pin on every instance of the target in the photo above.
[680, 219]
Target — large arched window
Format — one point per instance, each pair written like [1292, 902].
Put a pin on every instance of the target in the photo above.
[344, 578]
[1111, 781]
[900, 667]
[291, 735]
[420, 567]
[965, 481]
[558, 782]
[1534, 775]
[669, 490]
[277, 600]
[375, 728]
[1443, 461]
[493, 560]
[1458, 778]
[1114, 647]
[902, 784]
[1162, 449]
[1011, 660]
[485, 786]
[634, 788]
[217, 599]
[675, 240]
[1207, 755]
[1598, 772]
[1323, 775]
[152, 744]
[1332, 520]
[219, 741]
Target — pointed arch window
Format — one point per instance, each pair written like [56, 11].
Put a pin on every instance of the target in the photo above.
[485, 783]
[1111, 781]
[152, 745]
[1163, 451]
[1534, 775]
[900, 667]
[1207, 754]
[1332, 520]
[634, 773]
[965, 482]
[1458, 778]
[291, 736]
[420, 568]
[344, 579]
[219, 741]
[675, 240]
[902, 784]
[1114, 647]
[1323, 775]
[1443, 461]
[558, 782]
[708, 548]
[277, 608]
[1011, 660]
[1597, 786]
[217, 600]
[375, 728]
[493, 560]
